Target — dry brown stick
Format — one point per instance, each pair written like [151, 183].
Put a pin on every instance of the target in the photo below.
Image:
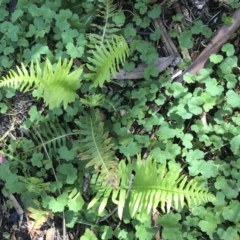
[167, 41]
[223, 35]
[178, 27]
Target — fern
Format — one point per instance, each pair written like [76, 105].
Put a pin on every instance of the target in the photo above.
[107, 50]
[95, 146]
[106, 11]
[113, 102]
[46, 133]
[106, 60]
[93, 100]
[151, 185]
[55, 86]
[49, 134]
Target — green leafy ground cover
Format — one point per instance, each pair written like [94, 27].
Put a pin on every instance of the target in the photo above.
[89, 144]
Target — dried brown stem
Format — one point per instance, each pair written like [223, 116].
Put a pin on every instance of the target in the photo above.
[167, 41]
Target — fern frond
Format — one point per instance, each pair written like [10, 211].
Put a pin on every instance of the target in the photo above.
[55, 86]
[95, 146]
[107, 50]
[152, 186]
[45, 133]
[106, 11]
[113, 102]
[49, 134]
[106, 60]
[93, 100]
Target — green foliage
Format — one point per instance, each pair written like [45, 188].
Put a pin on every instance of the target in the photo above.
[88, 235]
[53, 137]
[108, 56]
[93, 100]
[108, 50]
[186, 37]
[227, 20]
[107, 12]
[96, 146]
[47, 83]
[159, 185]
[81, 159]
[171, 225]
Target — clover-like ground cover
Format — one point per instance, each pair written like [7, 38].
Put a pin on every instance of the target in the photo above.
[62, 160]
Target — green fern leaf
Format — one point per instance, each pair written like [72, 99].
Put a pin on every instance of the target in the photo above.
[107, 50]
[46, 134]
[167, 187]
[93, 100]
[95, 146]
[151, 186]
[106, 60]
[106, 11]
[114, 102]
[49, 134]
[55, 86]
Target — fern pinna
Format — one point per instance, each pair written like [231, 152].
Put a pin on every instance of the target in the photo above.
[96, 146]
[151, 185]
[56, 86]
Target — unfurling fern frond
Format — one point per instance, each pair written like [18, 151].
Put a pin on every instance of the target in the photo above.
[56, 86]
[151, 186]
[106, 60]
[95, 146]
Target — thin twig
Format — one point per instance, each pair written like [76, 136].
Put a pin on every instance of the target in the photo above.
[171, 48]
[17, 207]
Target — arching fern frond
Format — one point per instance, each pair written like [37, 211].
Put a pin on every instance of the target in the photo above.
[106, 60]
[56, 86]
[152, 185]
[95, 146]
